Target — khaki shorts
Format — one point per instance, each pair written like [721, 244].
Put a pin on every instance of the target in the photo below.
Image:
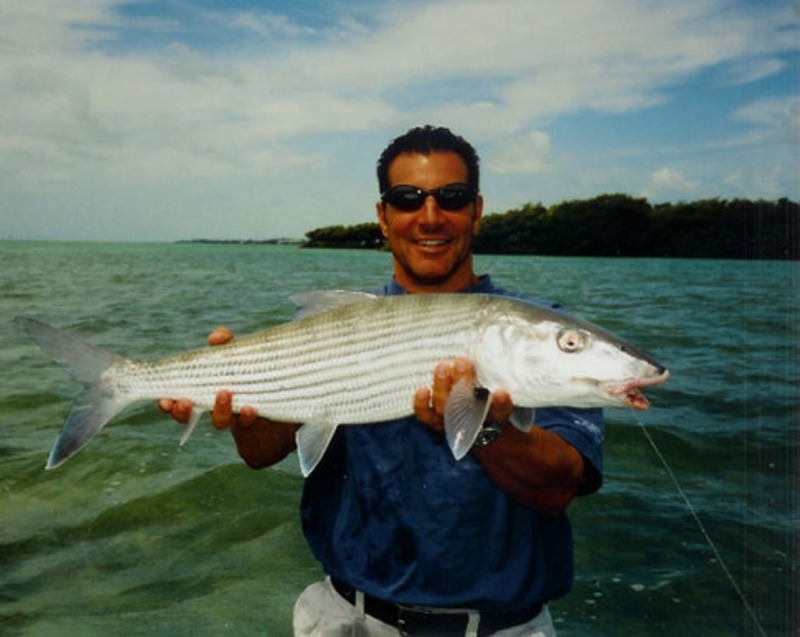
[321, 612]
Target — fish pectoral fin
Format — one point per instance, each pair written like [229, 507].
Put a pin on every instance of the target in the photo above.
[464, 415]
[522, 418]
[313, 439]
[194, 417]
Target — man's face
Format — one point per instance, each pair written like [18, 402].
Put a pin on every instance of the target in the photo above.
[432, 247]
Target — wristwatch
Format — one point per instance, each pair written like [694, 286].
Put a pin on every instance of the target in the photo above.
[488, 434]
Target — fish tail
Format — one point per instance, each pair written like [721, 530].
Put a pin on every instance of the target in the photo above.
[95, 405]
[92, 409]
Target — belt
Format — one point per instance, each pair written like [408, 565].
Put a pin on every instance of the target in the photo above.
[421, 622]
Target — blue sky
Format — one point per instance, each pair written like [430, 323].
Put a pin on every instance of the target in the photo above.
[156, 121]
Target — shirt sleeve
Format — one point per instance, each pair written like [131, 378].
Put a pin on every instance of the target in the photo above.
[584, 429]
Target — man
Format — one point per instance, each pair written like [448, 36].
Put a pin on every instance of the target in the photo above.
[415, 542]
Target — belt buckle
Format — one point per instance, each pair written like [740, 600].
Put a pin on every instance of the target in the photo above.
[422, 622]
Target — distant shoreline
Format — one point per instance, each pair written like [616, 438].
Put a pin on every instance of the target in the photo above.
[281, 241]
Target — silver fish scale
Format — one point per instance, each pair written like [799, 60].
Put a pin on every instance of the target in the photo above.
[355, 364]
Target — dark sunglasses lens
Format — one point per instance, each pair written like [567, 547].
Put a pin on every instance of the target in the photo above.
[405, 198]
[454, 197]
[410, 198]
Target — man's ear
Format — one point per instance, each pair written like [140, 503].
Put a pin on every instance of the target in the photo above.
[477, 214]
[380, 210]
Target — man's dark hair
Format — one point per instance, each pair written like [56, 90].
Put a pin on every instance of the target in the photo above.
[426, 140]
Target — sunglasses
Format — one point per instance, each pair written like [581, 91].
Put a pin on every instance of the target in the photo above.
[410, 198]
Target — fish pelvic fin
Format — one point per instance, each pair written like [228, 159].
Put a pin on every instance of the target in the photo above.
[313, 439]
[194, 417]
[464, 414]
[522, 418]
[95, 405]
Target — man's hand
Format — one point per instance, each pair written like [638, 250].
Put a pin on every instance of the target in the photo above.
[260, 442]
[180, 409]
[538, 468]
[220, 335]
[429, 404]
[222, 416]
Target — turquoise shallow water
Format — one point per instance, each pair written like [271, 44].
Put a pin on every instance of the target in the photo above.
[137, 536]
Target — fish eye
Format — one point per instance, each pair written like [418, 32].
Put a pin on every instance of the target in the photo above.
[570, 340]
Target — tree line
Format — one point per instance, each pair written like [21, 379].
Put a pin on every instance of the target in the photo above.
[619, 225]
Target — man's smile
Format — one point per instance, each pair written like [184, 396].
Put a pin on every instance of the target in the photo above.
[432, 243]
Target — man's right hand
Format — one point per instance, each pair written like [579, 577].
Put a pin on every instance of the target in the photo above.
[260, 442]
[222, 416]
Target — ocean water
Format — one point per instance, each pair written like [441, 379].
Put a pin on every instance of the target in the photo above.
[138, 536]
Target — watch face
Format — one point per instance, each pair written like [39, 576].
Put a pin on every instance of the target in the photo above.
[488, 434]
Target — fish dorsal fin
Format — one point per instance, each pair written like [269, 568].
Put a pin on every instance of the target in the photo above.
[316, 301]
[313, 439]
[464, 415]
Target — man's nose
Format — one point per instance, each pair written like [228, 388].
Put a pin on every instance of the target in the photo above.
[431, 213]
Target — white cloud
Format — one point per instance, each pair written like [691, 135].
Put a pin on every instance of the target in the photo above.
[773, 113]
[767, 179]
[528, 154]
[83, 112]
[265, 24]
[753, 70]
[773, 123]
[670, 181]
[618, 56]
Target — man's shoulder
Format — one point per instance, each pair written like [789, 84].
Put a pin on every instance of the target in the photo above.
[487, 286]
[484, 285]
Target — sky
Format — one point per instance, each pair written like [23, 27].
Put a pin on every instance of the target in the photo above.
[243, 119]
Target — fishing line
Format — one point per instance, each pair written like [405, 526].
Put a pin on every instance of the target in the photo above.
[723, 565]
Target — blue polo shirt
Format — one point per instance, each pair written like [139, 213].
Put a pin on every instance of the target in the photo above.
[389, 511]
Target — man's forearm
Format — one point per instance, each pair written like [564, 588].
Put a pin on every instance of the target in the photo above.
[538, 468]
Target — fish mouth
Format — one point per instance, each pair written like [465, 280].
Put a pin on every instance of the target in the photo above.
[629, 392]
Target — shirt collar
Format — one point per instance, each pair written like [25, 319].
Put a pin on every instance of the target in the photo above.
[483, 286]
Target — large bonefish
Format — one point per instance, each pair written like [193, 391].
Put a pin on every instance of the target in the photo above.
[360, 361]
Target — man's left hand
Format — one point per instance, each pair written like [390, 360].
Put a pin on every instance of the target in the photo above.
[429, 403]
